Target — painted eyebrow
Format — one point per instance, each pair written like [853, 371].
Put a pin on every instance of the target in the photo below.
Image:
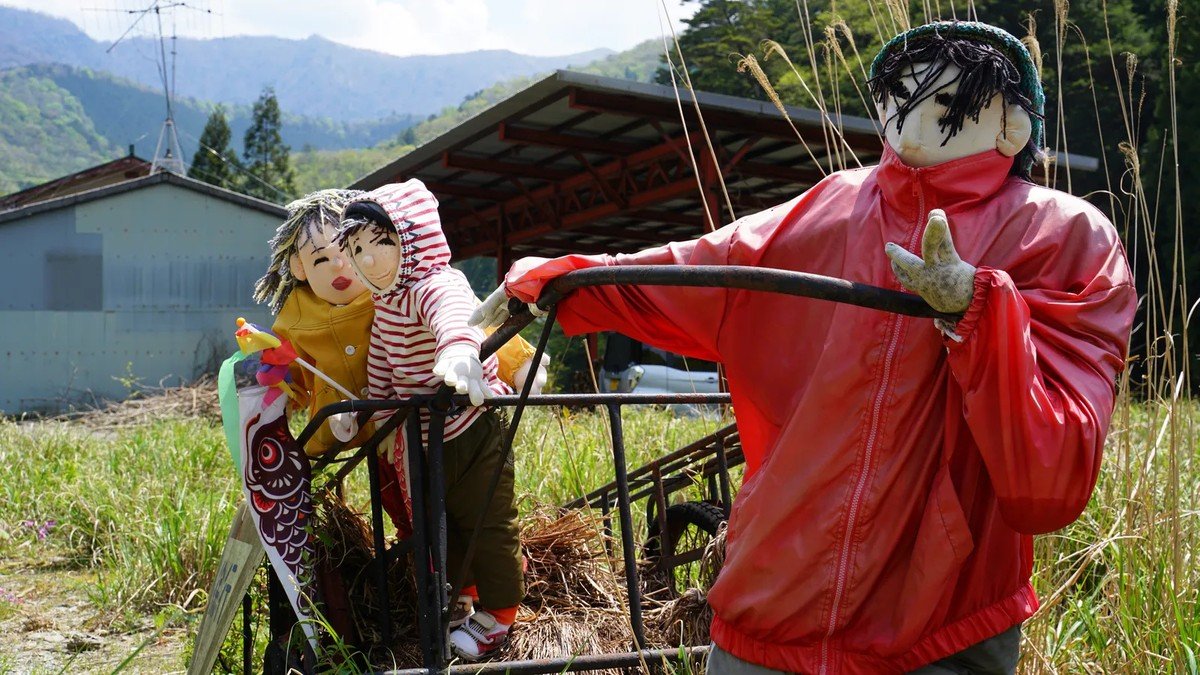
[312, 245]
[378, 235]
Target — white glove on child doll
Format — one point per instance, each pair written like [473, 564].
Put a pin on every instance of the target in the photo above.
[344, 426]
[460, 369]
[494, 310]
[539, 379]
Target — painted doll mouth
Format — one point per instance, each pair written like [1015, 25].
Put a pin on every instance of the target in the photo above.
[340, 283]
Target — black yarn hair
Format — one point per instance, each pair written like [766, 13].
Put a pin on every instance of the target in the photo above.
[360, 215]
[984, 72]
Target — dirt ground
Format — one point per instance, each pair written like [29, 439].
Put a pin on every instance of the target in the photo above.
[47, 625]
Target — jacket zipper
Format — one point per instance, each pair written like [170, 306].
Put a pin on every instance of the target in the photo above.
[860, 485]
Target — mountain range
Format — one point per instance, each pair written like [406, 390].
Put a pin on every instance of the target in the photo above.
[313, 77]
[66, 105]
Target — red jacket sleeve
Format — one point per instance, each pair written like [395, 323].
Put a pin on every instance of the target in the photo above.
[1037, 369]
[682, 320]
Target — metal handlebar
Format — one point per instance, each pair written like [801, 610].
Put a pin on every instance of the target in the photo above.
[724, 276]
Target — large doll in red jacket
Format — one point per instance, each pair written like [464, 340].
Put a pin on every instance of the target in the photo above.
[897, 468]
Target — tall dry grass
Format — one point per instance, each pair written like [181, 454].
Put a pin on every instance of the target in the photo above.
[1120, 585]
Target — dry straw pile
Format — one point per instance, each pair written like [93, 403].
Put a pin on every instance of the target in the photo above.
[575, 600]
[153, 404]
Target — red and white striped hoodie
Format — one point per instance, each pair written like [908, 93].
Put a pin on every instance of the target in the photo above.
[422, 313]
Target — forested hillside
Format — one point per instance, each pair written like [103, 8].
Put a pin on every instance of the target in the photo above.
[320, 169]
[107, 114]
[44, 132]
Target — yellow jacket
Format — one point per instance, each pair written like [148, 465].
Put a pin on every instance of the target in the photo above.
[334, 338]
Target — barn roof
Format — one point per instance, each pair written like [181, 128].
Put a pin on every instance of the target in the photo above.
[122, 169]
[138, 183]
[578, 163]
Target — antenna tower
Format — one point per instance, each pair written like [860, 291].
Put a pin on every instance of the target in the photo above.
[168, 156]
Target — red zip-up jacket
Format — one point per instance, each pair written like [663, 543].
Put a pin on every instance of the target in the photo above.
[894, 477]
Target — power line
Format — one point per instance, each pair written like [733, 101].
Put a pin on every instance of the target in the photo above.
[237, 166]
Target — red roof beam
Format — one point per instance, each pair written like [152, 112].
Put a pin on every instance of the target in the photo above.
[584, 177]
[476, 192]
[659, 194]
[519, 169]
[716, 119]
[551, 139]
[803, 176]
[630, 233]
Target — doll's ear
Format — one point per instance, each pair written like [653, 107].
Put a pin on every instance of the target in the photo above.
[297, 268]
[1015, 134]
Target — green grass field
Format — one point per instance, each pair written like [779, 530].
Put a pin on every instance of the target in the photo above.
[133, 521]
[116, 533]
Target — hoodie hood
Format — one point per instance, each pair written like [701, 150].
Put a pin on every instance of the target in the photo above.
[412, 210]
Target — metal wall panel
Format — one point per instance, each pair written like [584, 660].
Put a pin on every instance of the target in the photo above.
[27, 249]
[178, 268]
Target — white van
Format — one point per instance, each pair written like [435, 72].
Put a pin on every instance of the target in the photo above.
[630, 366]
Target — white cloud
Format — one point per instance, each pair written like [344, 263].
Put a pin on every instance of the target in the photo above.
[400, 27]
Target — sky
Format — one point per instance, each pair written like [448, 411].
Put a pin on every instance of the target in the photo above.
[400, 27]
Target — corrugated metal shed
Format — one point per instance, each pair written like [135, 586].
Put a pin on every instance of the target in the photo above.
[140, 279]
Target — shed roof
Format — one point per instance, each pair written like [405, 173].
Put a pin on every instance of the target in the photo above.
[581, 163]
[139, 183]
[122, 169]
[577, 163]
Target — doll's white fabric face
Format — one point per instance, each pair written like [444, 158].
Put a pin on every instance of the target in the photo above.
[325, 267]
[375, 251]
[920, 140]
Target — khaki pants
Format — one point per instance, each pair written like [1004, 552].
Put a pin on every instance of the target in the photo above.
[471, 459]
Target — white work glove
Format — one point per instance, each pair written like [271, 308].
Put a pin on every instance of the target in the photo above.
[539, 380]
[941, 278]
[494, 310]
[344, 426]
[459, 367]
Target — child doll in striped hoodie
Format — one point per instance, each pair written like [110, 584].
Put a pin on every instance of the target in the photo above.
[420, 338]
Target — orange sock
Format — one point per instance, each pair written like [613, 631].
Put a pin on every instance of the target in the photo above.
[505, 616]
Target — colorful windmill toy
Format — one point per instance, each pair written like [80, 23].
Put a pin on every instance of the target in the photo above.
[276, 355]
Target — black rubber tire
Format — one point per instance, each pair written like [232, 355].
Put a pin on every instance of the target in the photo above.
[704, 515]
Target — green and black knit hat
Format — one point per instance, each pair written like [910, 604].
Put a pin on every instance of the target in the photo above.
[1022, 87]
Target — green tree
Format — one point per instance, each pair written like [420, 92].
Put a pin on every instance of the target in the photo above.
[719, 32]
[267, 158]
[214, 161]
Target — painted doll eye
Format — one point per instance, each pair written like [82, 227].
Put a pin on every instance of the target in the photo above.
[320, 260]
[943, 99]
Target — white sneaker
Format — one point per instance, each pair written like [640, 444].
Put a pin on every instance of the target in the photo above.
[461, 611]
[479, 635]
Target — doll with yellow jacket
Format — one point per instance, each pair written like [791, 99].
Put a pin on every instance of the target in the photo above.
[325, 312]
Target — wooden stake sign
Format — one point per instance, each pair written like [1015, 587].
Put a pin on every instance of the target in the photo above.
[242, 556]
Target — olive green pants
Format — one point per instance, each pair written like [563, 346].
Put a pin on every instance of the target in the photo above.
[471, 459]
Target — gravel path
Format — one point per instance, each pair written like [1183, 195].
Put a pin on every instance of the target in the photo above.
[47, 625]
